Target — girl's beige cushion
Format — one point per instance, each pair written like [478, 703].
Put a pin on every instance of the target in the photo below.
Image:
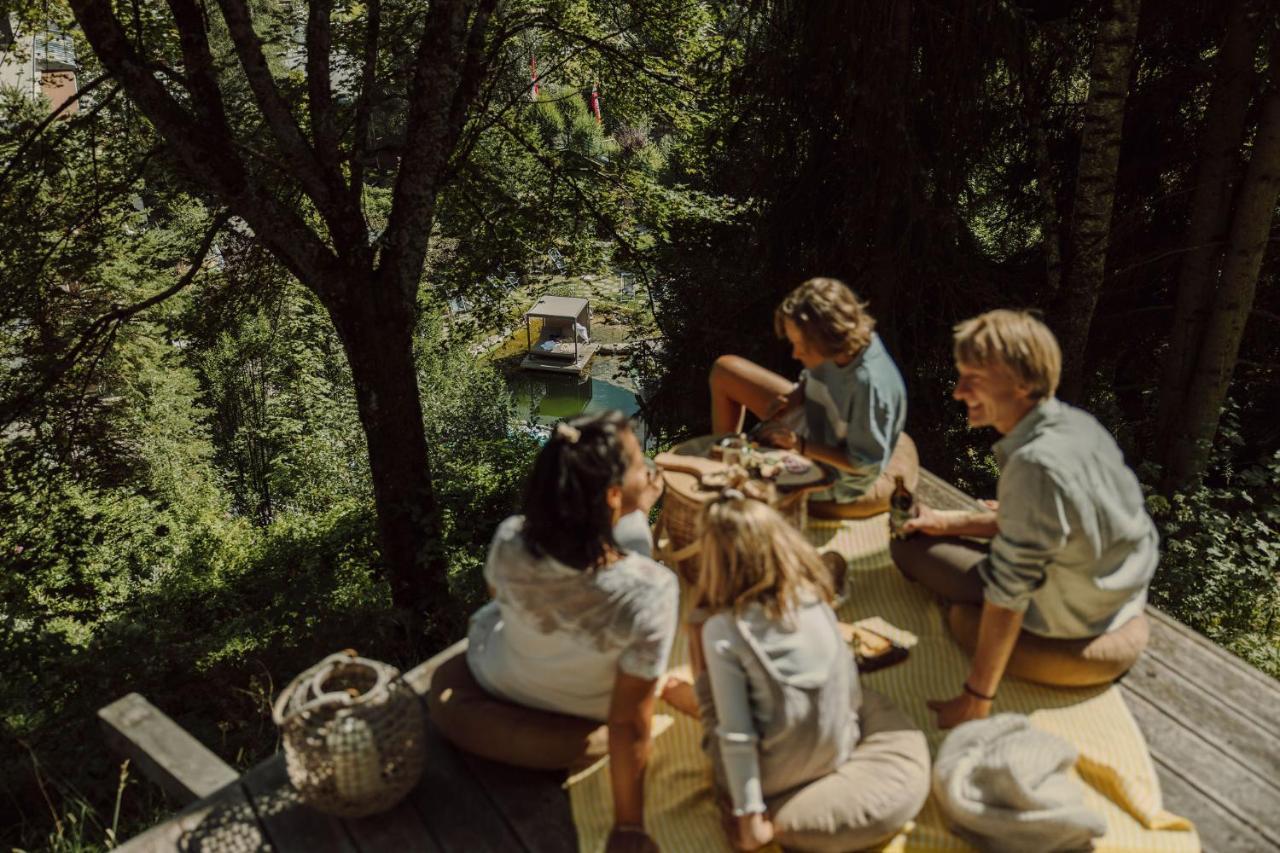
[868, 798]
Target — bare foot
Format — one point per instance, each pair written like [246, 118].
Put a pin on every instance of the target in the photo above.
[679, 694]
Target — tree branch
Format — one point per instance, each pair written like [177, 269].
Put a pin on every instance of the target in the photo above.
[107, 324]
[211, 158]
[319, 94]
[284, 127]
[201, 79]
[364, 102]
[50, 119]
[620, 55]
[447, 73]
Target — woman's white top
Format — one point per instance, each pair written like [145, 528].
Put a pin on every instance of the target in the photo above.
[555, 637]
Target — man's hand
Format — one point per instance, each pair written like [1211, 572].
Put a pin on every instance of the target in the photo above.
[652, 489]
[927, 520]
[961, 709]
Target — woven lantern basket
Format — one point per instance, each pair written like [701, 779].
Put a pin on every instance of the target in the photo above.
[354, 735]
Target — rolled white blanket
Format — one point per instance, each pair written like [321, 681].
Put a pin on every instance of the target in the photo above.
[1005, 786]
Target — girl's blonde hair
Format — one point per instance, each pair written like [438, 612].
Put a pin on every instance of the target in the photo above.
[751, 554]
[829, 316]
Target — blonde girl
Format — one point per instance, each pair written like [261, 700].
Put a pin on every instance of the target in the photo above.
[785, 721]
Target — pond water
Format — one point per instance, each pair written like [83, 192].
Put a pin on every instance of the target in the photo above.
[545, 398]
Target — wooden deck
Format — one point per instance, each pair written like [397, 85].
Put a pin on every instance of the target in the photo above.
[463, 803]
[1212, 723]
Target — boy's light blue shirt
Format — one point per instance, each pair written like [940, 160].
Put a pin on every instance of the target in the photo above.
[861, 407]
[1076, 549]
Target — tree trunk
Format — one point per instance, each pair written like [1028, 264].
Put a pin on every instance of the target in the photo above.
[377, 334]
[1210, 212]
[1246, 245]
[1095, 190]
[1035, 63]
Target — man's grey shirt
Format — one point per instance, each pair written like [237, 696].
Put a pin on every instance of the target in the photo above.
[1076, 549]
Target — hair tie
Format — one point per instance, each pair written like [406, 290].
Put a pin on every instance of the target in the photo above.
[568, 433]
[732, 494]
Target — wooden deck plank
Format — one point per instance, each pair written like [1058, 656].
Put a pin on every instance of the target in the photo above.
[1238, 737]
[1220, 830]
[399, 830]
[453, 805]
[1220, 673]
[1227, 785]
[289, 824]
[184, 768]
[222, 822]
[533, 802]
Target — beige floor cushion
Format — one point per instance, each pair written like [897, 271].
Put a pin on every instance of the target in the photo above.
[1061, 663]
[492, 728]
[869, 798]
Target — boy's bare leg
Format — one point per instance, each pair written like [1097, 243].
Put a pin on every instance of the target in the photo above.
[738, 385]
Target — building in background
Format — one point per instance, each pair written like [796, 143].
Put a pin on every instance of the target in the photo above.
[39, 65]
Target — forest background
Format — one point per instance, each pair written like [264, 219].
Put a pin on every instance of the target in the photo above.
[239, 428]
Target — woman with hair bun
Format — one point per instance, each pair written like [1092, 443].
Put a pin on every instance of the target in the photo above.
[579, 629]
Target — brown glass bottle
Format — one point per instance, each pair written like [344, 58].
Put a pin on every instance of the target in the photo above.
[902, 505]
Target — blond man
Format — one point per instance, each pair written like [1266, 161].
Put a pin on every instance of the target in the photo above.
[850, 404]
[1058, 595]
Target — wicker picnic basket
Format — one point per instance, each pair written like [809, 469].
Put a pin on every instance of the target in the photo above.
[354, 735]
[677, 532]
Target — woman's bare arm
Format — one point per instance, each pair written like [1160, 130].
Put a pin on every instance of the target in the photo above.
[630, 721]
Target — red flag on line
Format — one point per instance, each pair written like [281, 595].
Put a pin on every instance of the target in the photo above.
[533, 75]
[595, 101]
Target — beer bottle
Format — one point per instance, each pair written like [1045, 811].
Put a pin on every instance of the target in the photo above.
[902, 506]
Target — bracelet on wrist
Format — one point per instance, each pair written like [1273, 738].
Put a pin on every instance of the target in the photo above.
[976, 695]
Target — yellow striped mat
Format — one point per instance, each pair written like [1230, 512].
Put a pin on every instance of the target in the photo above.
[680, 811]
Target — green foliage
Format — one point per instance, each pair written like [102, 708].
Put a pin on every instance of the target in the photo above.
[161, 586]
[284, 418]
[480, 461]
[1220, 570]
